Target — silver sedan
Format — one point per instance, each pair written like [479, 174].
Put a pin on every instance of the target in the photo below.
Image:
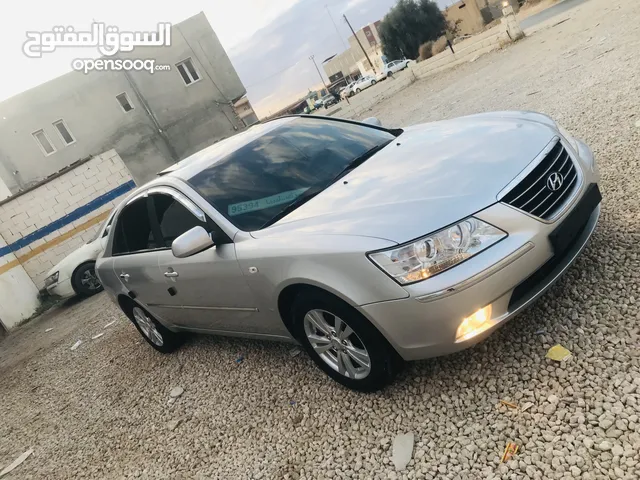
[367, 245]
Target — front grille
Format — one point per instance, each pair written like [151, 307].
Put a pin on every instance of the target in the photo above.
[533, 194]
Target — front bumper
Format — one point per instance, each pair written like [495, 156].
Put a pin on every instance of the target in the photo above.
[62, 289]
[509, 276]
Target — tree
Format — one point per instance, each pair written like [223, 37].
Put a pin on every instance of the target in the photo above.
[409, 24]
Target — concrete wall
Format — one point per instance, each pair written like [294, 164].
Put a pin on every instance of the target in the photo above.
[197, 115]
[18, 293]
[4, 190]
[466, 51]
[42, 226]
[88, 106]
[466, 14]
[170, 120]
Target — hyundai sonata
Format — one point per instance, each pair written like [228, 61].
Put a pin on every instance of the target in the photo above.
[366, 245]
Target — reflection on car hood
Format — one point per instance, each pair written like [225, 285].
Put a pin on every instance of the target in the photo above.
[431, 176]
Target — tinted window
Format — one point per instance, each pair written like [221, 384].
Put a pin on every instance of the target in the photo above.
[174, 219]
[133, 231]
[256, 182]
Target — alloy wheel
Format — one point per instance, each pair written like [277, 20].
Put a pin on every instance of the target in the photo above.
[337, 344]
[147, 326]
[89, 279]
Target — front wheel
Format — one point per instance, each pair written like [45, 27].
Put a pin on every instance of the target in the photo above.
[85, 281]
[343, 343]
[358, 90]
[390, 74]
[156, 334]
[373, 82]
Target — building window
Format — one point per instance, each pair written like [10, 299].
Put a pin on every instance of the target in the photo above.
[124, 102]
[43, 142]
[64, 132]
[188, 72]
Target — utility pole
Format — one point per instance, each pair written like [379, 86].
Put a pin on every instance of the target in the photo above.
[336, 27]
[358, 40]
[313, 59]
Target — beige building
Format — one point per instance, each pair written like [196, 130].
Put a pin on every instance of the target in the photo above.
[471, 16]
[352, 63]
[245, 111]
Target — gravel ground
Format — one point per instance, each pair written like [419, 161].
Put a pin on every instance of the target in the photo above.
[103, 410]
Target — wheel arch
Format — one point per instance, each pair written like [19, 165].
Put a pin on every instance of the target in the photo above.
[288, 294]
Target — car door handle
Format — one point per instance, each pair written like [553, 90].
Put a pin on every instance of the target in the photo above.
[171, 274]
[124, 276]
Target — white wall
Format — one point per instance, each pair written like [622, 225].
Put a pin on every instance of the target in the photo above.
[18, 293]
[4, 190]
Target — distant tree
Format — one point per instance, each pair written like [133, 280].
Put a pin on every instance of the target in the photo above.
[409, 24]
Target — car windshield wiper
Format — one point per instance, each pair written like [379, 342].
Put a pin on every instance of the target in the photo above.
[315, 191]
[356, 162]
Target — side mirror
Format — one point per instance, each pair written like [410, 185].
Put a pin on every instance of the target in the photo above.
[372, 121]
[191, 242]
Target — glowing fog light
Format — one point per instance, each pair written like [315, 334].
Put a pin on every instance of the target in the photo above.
[474, 324]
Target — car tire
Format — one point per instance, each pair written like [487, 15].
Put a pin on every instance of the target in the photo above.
[390, 74]
[361, 360]
[155, 334]
[358, 90]
[85, 281]
[373, 82]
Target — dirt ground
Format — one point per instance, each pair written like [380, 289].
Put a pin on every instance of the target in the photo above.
[252, 410]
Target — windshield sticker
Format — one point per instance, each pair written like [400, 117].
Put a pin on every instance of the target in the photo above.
[267, 202]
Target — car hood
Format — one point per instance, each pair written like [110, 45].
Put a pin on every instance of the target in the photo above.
[429, 177]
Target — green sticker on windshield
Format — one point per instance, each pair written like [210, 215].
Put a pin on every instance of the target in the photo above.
[267, 202]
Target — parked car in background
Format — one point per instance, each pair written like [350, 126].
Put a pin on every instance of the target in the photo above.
[367, 245]
[393, 67]
[364, 82]
[329, 100]
[75, 274]
[347, 91]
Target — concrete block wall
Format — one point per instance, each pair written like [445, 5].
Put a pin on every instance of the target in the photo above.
[43, 225]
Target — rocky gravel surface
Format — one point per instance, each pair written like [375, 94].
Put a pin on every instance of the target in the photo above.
[114, 408]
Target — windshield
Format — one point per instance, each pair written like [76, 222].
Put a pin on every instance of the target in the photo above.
[255, 183]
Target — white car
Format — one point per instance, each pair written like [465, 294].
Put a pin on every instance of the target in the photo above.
[75, 274]
[393, 67]
[364, 82]
[347, 91]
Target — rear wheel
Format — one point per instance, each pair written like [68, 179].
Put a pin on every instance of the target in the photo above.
[373, 82]
[343, 343]
[85, 281]
[358, 90]
[390, 74]
[156, 335]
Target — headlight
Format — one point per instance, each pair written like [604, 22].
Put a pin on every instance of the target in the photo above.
[437, 252]
[567, 136]
[51, 279]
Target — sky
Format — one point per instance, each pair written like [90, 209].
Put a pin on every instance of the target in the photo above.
[268, 41]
